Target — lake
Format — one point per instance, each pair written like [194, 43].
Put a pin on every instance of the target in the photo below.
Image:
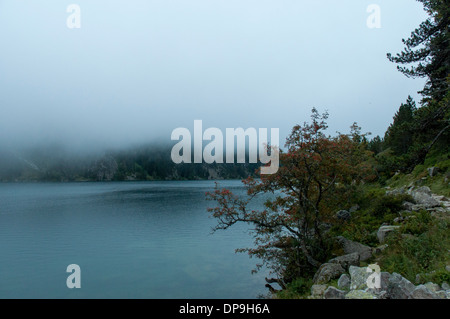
[130, 239]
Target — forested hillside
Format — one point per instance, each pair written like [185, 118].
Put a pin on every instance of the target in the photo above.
[150, 162]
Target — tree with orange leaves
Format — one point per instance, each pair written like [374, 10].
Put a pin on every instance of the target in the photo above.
[317, 174]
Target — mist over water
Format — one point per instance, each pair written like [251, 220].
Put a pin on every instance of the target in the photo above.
[136, 70]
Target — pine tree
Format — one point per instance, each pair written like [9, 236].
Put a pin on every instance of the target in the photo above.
[428, 51]
[429, 48]
[399, 135]
[376, 145]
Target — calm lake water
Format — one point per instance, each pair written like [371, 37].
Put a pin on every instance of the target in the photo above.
[130, 239]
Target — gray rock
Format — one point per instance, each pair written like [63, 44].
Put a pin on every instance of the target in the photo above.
[432, 171]
[418, 207]
[318, 290]
[422, 292]
[445, 286]
[435, 211]
[328, 272]
[360, 294]
[334, 293]
[349, 247]
[424, 189]
[382, 295]
[399, 287]
[383, 232]
[346, 260]
[447, 268]
[358, 277]
[344, 282]
[343, 215]
[432, 287]
[384, 280]
[396, 191]
[441, 294]
[422, 196]
[408, 206]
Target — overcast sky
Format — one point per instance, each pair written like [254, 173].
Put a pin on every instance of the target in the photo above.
[136, 70]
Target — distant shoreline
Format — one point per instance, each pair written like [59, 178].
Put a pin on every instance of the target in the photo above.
[117, 181]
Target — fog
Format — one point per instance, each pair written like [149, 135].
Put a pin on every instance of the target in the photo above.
[136, 70]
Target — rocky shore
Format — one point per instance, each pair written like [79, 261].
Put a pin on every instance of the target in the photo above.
[358, 283]
[358, 279]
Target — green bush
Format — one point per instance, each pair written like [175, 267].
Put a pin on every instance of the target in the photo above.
[421, 254]
[389, 205]
[417, 223]
[376, 208]
[299, 288]
[439, 276]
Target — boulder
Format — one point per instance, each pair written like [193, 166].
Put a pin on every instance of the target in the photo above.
[445, 286]
[358, 277]
[328, 272]
[383, 231]
[334, 293]
[344, 282]
[318, 290]
[360, 294]
[382, 295]
[422, 196]
[396, 191]
[422, 292]
[384, 280]
[399, 287]
[432, 287]
[442, 294]
[346, 260]
[408, 206]
[350, 247]
[381, 291]
[424, 189]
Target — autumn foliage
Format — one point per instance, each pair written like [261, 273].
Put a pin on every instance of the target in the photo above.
[317, 175]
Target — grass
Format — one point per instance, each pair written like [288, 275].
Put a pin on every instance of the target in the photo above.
[376, 208]
[420, 177]
[300, 288]
[420, 248]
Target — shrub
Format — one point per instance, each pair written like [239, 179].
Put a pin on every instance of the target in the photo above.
[298, 288]
[417, 223]
[389, 204]
[421, 254]
[376, 208]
